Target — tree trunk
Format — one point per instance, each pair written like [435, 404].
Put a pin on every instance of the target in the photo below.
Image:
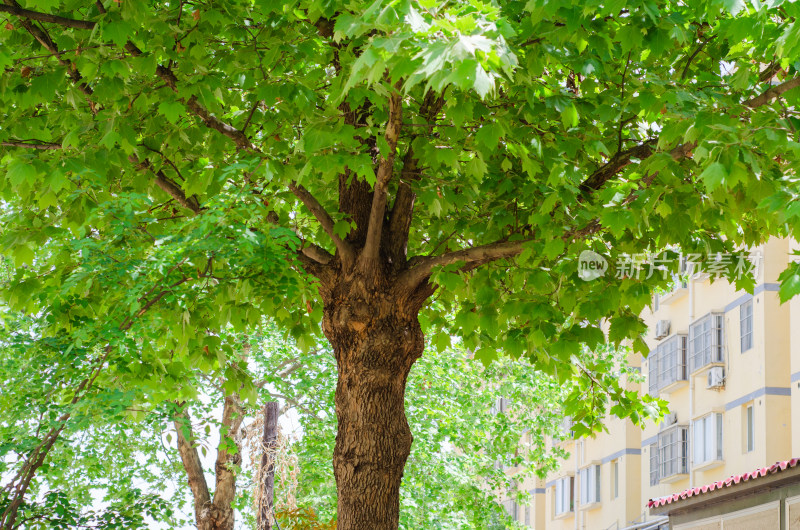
[376, 338]
[213, 512]
[270, 444]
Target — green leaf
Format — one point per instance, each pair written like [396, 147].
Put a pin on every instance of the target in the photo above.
[172, 110]
[790, 283]
[483, 83]
[489, 135]
[23, 255]
[117, 32]
[569, 116]
[21, 172]
[554, 248]
[341, 228]
[714, 176]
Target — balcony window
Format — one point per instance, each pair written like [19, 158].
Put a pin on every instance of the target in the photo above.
[590, 484]
[746, 325]
[707, 439]
[667, 364]
[707, 341]
[673, 451]
[564, 495]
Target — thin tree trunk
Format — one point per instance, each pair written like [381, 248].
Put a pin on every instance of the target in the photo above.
[213, 512]
[376, 341]
[270, 445]
[228, 459]
[193, 467]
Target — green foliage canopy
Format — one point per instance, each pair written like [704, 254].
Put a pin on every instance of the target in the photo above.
[171, 169]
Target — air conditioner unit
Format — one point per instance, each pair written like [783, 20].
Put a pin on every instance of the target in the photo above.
[662, 329]
[716, 377]
[670, 419]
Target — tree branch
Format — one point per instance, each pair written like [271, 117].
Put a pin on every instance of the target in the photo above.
[44, 17]
[385, 166]
[772, 93]
[325, 220]
[44, 39]
[167, 75]
[27, 145]
[192, 465]
[228, 456]
[317, 253]
[403, 207]
[169, 186]
[479, 255]
[618, 162]
[476, 256]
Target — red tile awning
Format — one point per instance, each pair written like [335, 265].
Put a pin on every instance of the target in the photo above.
[777, 467]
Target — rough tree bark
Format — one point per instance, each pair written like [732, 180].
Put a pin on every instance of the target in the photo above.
[267, 466]
[376, 338]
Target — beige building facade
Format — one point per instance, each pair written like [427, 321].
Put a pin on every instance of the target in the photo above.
[728, 363]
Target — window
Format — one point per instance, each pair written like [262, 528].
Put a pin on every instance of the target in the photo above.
[654, 478]
[746, 324]
[615, 479]
[750, 430]
[707, 439]
[590, 484]
[706, 341]
[564, 493]
[673, 451]
[512, 508]
[527, 516]
[667, 364]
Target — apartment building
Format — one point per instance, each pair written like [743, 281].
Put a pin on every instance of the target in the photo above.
[728, 363]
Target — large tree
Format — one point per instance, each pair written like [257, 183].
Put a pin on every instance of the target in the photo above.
[349, 161]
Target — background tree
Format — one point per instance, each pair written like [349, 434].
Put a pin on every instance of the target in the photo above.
[191, 166]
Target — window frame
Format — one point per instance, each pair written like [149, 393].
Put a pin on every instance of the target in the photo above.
[750, 428]
[615, 479]
[589, 477]
[668, 363]
[707, 439]
[746, 326]
[673, 451]
[559, 494]
[707, 341]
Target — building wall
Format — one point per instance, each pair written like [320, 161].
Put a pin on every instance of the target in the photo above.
[766, 377]
[758, 377]
[794, 341]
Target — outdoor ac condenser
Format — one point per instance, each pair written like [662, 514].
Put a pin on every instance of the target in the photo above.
[716, 377]
[662, 329]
